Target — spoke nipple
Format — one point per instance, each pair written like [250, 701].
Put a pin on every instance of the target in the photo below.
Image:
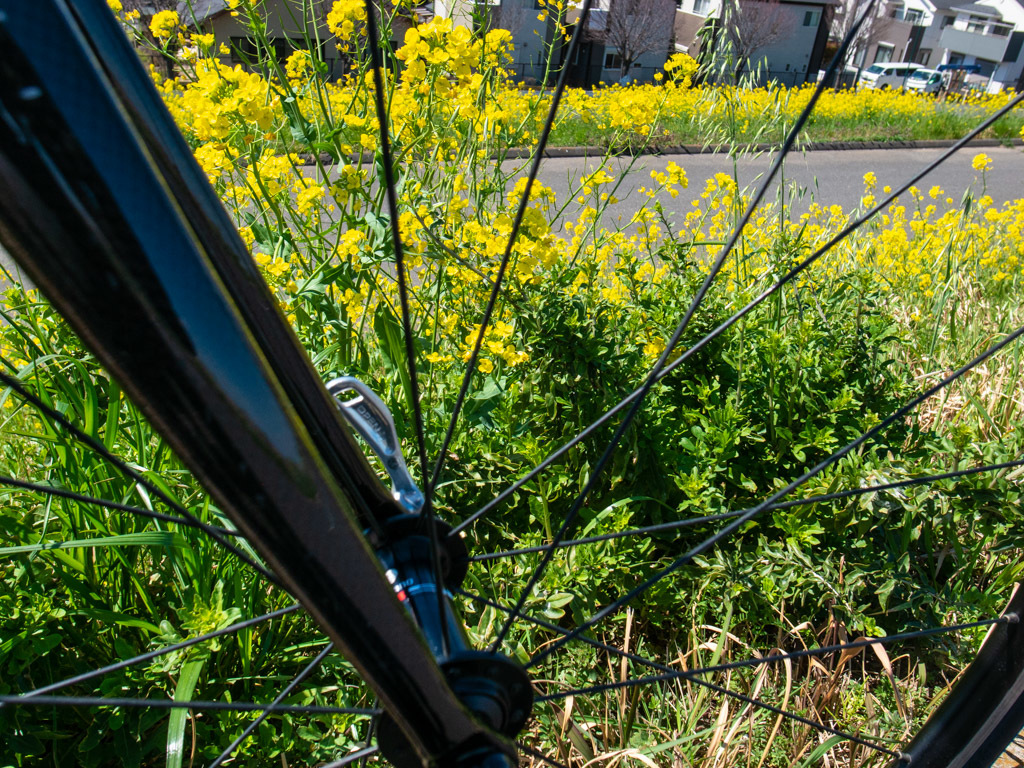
[904, 758]
[1011, 618]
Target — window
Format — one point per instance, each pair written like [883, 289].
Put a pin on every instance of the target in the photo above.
[986, 67]
[811, 18]
[702, 7]
[923, 56]
[883, 53]
[913, 16]
[976, 24]
[1000, 30]
[612, 60]
[947, 20]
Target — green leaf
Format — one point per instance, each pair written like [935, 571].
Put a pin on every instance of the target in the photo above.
[821, 749]
[121, 619]
[176, 726]
[389, 334]
[144, 539]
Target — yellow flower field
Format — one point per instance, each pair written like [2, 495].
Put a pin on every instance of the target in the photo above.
[452, 108]
[837, 339]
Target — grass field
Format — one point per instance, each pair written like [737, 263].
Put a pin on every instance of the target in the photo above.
[590, 301]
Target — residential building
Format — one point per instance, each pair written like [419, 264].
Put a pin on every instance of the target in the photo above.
[985, 36]
[637, 33]
[783, 41]
[291, 25]
[611, 24]
[531, 29]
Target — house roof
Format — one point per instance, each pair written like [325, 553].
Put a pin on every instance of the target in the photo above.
[940, 5]
[198, 11]
[978, 9]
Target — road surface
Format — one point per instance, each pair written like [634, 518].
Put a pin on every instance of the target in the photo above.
[827, 177]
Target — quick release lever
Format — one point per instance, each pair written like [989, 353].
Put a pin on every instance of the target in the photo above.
[368, 415]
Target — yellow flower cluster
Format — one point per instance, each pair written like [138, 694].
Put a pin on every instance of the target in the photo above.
[320, 232]
[673, 179]
[221, 99]
[681, 68]
[346, 20]
[497, 343]
[164, 24]
[450, 50]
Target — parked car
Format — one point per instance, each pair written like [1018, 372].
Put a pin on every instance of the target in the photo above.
[924, 81]
[892, 75]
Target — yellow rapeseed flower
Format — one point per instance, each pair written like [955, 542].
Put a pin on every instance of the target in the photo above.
[164, 24]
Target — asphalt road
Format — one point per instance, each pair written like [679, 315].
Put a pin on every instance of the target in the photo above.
[825, 177]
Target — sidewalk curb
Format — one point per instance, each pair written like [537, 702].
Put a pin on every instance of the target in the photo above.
[700, 149]
[813, 146]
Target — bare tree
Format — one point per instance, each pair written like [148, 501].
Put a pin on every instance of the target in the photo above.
[148, 7]
[635, 27]
[510, 16]
[748, 27]
[872, 30]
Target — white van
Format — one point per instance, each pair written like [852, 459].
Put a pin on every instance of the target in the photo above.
[924, 81]
[891, 75]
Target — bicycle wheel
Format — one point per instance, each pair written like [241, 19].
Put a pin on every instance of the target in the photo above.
[276, 385]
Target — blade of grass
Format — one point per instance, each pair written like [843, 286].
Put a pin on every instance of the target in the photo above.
[176, 724]
[144, 539]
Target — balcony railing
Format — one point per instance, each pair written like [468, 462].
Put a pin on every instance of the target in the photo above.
[984, 44]
[991, 28]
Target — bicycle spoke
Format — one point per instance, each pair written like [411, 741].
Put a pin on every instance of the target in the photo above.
[670, 674]
[543, 624]
[396, 235]
[403, 297]
[273, 705]
[740, 314]
[755, 511]
[524, 200]
[775, 658]
[371, 728]
[154, 654]
[198, 706]
[362, 754]
[18, 386]
[540, 755]
[691, 521]
[53, 491]
[784, 713]
[683, 324]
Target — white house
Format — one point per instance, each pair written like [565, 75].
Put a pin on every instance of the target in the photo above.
[988, 35]
[531, 28]
[933, 33]
[787, 37]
